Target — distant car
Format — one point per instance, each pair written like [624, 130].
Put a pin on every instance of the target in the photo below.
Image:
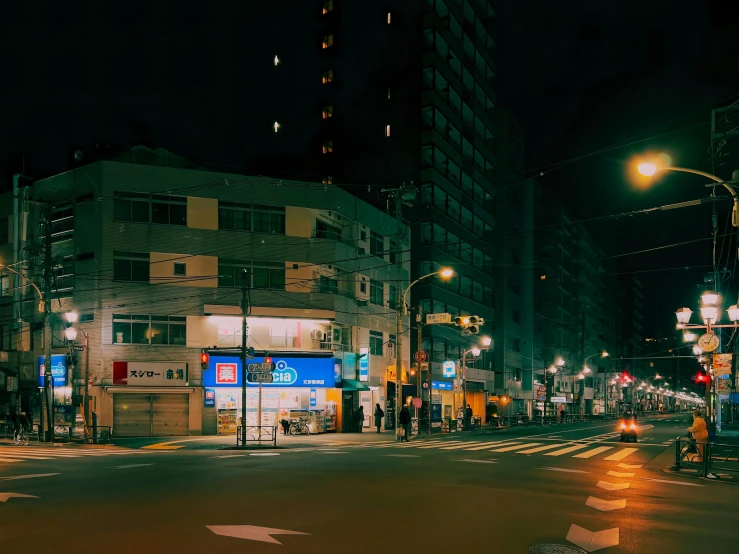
[628, 429]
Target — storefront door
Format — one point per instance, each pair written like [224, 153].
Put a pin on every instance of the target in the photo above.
[151, 415]
[349, 406]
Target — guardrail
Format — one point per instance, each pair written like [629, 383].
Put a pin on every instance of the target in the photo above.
[31, 431]
[706, 458]
[258, 434]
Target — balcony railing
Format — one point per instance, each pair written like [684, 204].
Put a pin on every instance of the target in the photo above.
[336, 347]
[64, 283]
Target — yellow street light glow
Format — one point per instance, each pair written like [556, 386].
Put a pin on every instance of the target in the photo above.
[647, 169]
[560, 362]
[71, 317]
[446, 272]
[487, 341]
[689, 337]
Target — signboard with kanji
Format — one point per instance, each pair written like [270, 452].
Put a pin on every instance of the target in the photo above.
[150, 374]
[722, 365]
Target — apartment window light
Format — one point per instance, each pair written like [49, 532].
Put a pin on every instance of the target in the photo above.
[387, 131]
[388, 17]
[328, 6]
[328, 76]
[388, 93]
[328, 111]
[180, 269]
[276, 61]
[276, 126]
[327, 180]
[328, 40]
[328, 147]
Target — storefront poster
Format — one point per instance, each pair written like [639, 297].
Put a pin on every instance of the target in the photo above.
[364, 364]
[338, 369]
[210, 398]
[441, 385]
[308, 372]
[722, 365]
[58, 370]
[312, 398]
[150, 374]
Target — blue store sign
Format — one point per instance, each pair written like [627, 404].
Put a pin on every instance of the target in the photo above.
[225, 371]
[442, 385]
[58, 370]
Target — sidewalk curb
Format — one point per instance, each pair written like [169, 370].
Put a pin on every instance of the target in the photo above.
[34, 444]
[727, 481]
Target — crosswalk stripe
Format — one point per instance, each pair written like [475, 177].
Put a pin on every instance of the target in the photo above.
[593, 452]
[436, 445]
[463, 445]
[10, 460]
[32, 456]
[539, 449]
[515, 447]
[486, 445]
[567, 450]
[620, 455]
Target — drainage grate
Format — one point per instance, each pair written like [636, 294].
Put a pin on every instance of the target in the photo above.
[556, 549]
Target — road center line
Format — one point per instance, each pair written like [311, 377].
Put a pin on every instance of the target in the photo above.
[30, 476]
[472, 461]
[130, 465]
[676, 483]
[231, 456]
[563, 470]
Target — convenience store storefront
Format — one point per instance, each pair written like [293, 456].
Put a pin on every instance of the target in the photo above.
[304, 387]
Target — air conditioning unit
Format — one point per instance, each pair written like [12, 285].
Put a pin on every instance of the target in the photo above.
[317, 335]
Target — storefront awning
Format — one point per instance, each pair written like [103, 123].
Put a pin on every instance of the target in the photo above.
[351, 384]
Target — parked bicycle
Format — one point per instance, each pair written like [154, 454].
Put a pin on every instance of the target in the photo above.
[298, 426]
[22, 437]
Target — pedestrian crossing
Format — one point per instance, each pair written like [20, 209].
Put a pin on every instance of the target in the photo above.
[17, 454]
[583, 450]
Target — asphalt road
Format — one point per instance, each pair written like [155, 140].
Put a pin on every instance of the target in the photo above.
[494, 493]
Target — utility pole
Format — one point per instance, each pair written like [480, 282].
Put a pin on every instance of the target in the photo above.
[400, 308]
[48, 285]
[244, 312]
[582, 364]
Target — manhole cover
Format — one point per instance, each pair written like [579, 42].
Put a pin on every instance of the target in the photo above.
[556, 549]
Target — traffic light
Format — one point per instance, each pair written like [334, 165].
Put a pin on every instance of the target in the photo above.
[250, 352]
[268, 360]
[475, 325]
[204, 358]
[462, 321]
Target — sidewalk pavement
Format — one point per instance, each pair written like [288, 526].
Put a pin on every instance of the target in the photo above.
[74, 445]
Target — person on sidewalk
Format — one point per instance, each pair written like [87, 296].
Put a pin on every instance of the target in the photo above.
[700, 434]
[468, 418]
[379, 414]
[562, 415]
[21, 422]
[404, 418]
[360, 418]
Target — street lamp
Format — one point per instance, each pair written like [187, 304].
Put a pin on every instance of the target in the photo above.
[559, 362]
[586, 370]
[400, 311]
[71, 334]
[689, 337]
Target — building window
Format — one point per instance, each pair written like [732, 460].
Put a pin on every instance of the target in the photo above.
[4, 285]
[328, 111]
[276, 126]
[387, 131]
[363, 288]
[327, 180]
[162, 209]
[326, 231]
[260, 274]
[377, 244]
[237, 216]
[392, 296]
[389, 18]
[146, 329]
[516, 316]
[516, 345]
[328, 147]
[62, 225]
[328, 6]
[276, 61]
[327, 41]
[393, 252]
[180, 269]
[363, 236]
[376, 343]
[130, 266]
[328, 76]
[377, 292]
[328, 285]
[64, 275]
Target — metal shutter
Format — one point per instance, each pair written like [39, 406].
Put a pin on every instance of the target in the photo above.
[170, 415]
[132, 415]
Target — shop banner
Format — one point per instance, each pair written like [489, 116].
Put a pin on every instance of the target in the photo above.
[441, 385]
[58, 370]
[225, 371]
[722, 365]
[210, 398]
[364, 364]
[449, 369]
[150, 374]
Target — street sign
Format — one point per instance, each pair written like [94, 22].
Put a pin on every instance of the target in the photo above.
[425, 384]
[424, 366]
[432, 319]
[259, 377]
[260, 368]
[77, 348]
[420, 356]
[449, 369]
[722, 365]
[558, 400]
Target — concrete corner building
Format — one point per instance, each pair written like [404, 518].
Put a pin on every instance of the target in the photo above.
[152, 260]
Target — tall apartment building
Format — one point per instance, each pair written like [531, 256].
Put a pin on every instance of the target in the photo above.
[153, 260]
[580, 312]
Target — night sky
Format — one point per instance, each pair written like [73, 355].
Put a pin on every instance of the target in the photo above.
[581, 76]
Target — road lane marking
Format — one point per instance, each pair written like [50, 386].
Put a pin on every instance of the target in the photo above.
[567, 450]
[29, 476]
[539, 449]
[621, 454]
[129, 466]
[515, 447]
[4, 496]
[402, 455]
[459, 446]
[612, 486]
[676, 483]
[31, 456]
[630, 466]
[592, 541]
[471, 461]
[486, 445]
[231, 456]
[421, 445]
[563, 470]
[593, 452]
[264, 454]
[619, 474]
[11, 460]
[605, 505]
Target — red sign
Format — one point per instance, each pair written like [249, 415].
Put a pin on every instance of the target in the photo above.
[226, 374]
[420, 356]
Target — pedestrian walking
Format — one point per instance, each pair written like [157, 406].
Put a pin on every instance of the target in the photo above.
[404, 418]
[467, 417]
[699, 432]
[562, 415]
[285, 426]
[360, 418]
[379, 414]
[21, 422]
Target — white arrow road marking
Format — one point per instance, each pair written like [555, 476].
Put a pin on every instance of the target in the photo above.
[251, 532]
[402, 456]
[630, 466]
[612, 486]
[676, 483]
[563, 470]
[620, 455]
[30, 476]
[5, 495]
[593, 452]
[618, 474]
[605, 505]
[471, 461]
[592, 541]
[130, 465]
